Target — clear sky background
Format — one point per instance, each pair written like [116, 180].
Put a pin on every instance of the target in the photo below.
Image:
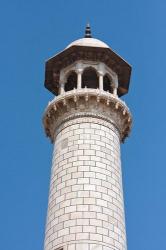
[34, 30]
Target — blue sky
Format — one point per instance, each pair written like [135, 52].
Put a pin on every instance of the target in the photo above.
[32, 31]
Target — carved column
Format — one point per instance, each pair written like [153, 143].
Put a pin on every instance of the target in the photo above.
[79, 78]
[115, 85]
[100, 80]
[62, 88]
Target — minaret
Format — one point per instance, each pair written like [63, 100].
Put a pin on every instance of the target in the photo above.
[86, 122]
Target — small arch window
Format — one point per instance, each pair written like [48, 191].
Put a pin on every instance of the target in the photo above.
[71, 81]
[90, 78]
[107, 84]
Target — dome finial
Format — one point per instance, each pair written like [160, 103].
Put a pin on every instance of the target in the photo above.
[88, 31]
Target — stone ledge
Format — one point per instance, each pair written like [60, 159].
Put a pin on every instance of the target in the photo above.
[87, 103]
[100, 94]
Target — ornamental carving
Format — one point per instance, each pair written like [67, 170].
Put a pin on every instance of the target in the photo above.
[75, 105]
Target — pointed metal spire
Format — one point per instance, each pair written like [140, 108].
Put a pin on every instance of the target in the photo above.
[88, 31]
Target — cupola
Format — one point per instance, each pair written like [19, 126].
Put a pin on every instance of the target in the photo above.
[87, 63]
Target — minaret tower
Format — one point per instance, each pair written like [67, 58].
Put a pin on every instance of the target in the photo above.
[86, 122]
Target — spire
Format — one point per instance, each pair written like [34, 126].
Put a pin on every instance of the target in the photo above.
[88, 31]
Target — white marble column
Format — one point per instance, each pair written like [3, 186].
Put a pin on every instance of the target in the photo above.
[115, 91]
[100, 80]
[79, 78]
[115, 85]
[79, 71]
[62, 88]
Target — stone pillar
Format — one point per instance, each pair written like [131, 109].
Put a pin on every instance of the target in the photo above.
[79, 78]
[115, 85]
[114, 91]
[86, 208]
[100, 80]
[62, 88]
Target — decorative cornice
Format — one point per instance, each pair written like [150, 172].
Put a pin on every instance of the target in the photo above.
[90, 103]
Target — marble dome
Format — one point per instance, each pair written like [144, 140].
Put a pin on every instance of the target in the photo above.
[90, 42]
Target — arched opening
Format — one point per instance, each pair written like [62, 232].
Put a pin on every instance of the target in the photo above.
[90, 78]
[71, 81]
[107, 84]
